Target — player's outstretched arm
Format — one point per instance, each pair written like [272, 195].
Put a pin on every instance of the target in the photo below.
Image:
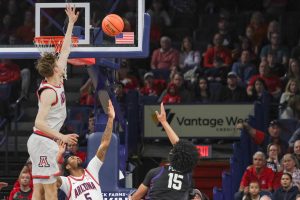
[140, 193]
[47, 98]
[106, 137]
[66, 46]
[163, 120]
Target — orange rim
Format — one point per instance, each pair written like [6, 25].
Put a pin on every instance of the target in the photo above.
[55, 41]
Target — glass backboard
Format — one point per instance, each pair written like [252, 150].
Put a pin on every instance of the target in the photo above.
[46, 18]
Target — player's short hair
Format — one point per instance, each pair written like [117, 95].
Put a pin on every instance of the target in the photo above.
[46, 65]
[183, 156]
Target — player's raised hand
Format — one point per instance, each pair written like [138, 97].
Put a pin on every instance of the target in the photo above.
[110, 110]
[3, 184]
[162, 116]
[61, 146]
[70, 11]
[70, 138]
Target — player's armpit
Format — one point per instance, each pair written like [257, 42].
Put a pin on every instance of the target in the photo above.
[140, 193]
[58, 182]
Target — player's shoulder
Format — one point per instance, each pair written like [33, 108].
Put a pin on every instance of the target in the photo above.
[154, 171]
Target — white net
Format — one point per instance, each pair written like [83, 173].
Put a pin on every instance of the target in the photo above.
[48, 44]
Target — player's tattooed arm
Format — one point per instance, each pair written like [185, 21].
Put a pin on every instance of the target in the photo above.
[105, 141]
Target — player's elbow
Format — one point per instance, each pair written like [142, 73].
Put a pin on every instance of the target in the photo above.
[104, 146]
[38, 123]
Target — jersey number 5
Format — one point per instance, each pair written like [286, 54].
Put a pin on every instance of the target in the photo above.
[175, 181]
[87, 196]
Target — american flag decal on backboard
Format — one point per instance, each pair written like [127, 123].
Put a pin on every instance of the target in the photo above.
[125, 38]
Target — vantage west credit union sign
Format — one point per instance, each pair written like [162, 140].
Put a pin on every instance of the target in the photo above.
[198, 120]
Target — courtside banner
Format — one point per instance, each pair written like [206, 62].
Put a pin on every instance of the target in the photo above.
[198, 120]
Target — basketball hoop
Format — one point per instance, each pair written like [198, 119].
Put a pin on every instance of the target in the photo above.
[52, 44]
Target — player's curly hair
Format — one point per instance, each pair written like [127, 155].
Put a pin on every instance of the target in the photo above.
[67, 155]
[183, 156]
[46, 64]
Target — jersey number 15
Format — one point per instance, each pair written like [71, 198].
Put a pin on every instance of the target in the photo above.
[175, 181]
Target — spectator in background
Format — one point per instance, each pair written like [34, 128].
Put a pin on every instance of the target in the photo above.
[229, 37]
[273, 162]
[189, 58]
[177, 80]
[287, 191]
[87, 94]
[276, 69]
[295, 53]
[201, 92]
[296, 148]
[264, 139]
[253, 193]
[26, 33]
[244, 68]
[7, 29]
[280, 52]
[273, 82]
[25, 71]
[265, 197]
[129, 81]
[293, 71]
[259, 91]
[243, 45]
[171, 96]
[292, 88]
[273, 27]
[10, 74]
[257, 172]
[217, 59]
[291, 165]
[197, 195]
[160, 19]
[73, 148]
[232, 92]
[292, 110]
[158, 14]
[294, 138]
[24, 192]
[256, 45]
[259, 27]
[165, 57]
[120, 94]
[152, 86]
[26, 169]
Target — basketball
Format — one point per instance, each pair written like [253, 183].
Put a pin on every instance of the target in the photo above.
[112, 25]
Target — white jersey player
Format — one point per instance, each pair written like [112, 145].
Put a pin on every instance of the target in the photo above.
[82, 183]
[41, 145]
